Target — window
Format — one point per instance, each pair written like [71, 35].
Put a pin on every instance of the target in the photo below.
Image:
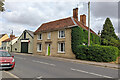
[83, 30]
[49, 35]
[61, 34]
[39, 47]
[15, 49]
[40, 37]
[61, 47]
[24, 35]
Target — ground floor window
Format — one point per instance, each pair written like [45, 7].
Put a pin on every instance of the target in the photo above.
[61, 47]
[39, 47]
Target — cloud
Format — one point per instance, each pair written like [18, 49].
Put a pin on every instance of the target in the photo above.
[22, 13]
[104, 9]
[33, 14]
[7, 28]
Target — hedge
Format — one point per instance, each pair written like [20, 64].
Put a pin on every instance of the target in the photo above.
[80, 36]
[97, 53]
[119, 53]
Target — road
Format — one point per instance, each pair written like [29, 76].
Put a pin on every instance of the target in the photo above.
[28, 66]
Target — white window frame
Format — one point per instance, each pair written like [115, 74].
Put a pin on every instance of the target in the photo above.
[49, 35]
[59, 47]
[39, 36]
[59, 34]
[38, 45]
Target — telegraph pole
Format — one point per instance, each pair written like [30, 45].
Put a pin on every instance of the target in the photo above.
[89, 23]
[11, 39]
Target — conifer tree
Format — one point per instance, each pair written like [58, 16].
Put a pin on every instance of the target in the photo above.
[108, 36]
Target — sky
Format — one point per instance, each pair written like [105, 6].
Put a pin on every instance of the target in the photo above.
[21, 14]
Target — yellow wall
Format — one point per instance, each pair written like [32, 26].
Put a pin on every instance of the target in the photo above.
[3, 38]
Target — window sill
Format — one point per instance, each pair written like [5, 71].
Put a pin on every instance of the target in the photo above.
[39, 51]
[61, 37]
[39, 39]
[61, 52]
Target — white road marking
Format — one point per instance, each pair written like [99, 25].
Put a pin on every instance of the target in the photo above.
[44, 63]
[14, 76]
[90, 73]
[20, 58]
[39, 77]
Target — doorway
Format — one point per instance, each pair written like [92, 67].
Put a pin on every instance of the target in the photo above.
[24, 47]
[48, 50]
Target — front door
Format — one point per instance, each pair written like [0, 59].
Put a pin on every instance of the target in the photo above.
[48, 50]
[24, 47]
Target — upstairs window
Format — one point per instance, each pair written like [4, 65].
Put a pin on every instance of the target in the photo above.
[40, 37]
[24, 35]
[61, 34]
[49, 35]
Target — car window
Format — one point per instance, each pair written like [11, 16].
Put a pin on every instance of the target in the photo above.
[4, 54]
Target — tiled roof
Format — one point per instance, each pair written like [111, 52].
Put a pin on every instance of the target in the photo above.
[83, 26]
[1, 35]
[30, 32]
[60, 24]
[9, 39]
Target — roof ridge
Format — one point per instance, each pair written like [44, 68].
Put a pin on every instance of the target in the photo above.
[57, 20]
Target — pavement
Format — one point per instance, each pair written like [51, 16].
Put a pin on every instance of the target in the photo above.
[37, 67]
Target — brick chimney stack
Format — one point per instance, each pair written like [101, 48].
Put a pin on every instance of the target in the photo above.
[75, 13]
[12, 36]
[83, 19]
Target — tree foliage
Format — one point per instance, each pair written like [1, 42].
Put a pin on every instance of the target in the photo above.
[1, 5]
[108, 36]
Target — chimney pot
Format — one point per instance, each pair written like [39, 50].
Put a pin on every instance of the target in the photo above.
[75, 13]
[83, 19]
[12, 36]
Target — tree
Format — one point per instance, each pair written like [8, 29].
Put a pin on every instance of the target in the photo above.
[108, 36]
[1, 5]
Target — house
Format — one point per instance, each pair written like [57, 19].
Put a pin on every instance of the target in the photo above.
[54, 38]
[24, 44]
[7, 44]
[2, 38]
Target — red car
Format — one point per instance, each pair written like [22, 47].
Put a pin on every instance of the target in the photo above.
[6, 60]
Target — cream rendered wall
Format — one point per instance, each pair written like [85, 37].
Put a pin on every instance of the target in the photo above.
[54, 44]
[18, 44]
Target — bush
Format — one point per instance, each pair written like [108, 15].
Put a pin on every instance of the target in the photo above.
[80, 37]
[119, 53]
[97, 53]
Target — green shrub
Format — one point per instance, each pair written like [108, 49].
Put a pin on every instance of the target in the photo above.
[119, 53]
[80, 37]
[97, 53]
